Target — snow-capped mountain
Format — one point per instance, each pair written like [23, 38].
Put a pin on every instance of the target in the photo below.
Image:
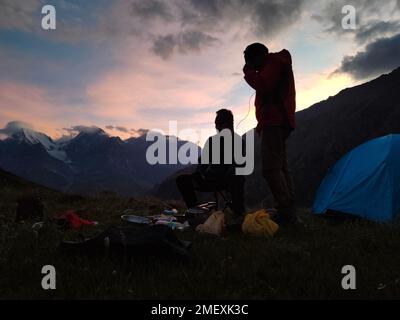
[87, 162]
[33, 137]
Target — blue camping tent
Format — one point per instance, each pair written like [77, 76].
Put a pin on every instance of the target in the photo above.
[365, 182]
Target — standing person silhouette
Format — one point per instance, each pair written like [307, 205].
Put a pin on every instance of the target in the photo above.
[271, 75]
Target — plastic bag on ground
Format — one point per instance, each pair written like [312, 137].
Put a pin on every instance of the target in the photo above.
[213, 225]
[259, 224]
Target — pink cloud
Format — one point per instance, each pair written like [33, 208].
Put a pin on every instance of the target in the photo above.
[186, 87]
[32, 104]
[143, 90]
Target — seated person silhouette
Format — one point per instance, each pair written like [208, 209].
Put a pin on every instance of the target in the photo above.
[214, 176]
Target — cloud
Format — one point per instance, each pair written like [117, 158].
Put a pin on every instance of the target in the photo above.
[151, 9]
[83, 128]
[124, 132]
[17, 14]
[75, 23]
[378, 28]
[372, 18]
[378, 57]
[172, 113]
[80, 22]
[164, 46]
[184, 42]
[139, 132]
[180, 26]
[145, 87]
[172, 27]
[14, 127]
[264, 18]
[201, 42]
[270, 17]
[377, 25]
[122, 129]
[33, 104]
[190, 26]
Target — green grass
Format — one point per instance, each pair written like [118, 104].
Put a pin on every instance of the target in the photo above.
[298, 263]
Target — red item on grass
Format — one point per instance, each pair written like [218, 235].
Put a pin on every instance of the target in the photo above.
[74, 220]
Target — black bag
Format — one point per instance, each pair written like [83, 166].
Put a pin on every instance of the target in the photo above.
[147, 240]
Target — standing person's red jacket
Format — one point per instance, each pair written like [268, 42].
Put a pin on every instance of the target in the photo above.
[275, 91]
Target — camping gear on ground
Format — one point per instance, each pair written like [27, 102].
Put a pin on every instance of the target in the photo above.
[259, 224]
[174, 212]
[72, 220]
[162, 219]
[365, 182]
[181, 226]
[136, 219]
[198, 210]
[149, 240]
[173, 224]
[211, 205]
[213, 225]
[29, 207]
[170, 211]
[180, 217]
[197, 215]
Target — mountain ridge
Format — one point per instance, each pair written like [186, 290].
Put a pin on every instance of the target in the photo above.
[89, 162]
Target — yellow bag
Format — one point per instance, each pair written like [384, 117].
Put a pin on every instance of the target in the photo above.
[213, 225]
[259, 224]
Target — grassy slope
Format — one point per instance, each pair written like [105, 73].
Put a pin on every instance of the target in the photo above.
[297, 263]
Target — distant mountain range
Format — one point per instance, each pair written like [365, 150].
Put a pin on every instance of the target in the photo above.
[89, 162]
[324, 133]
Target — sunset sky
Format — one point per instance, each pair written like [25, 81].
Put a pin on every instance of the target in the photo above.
[126, 65]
